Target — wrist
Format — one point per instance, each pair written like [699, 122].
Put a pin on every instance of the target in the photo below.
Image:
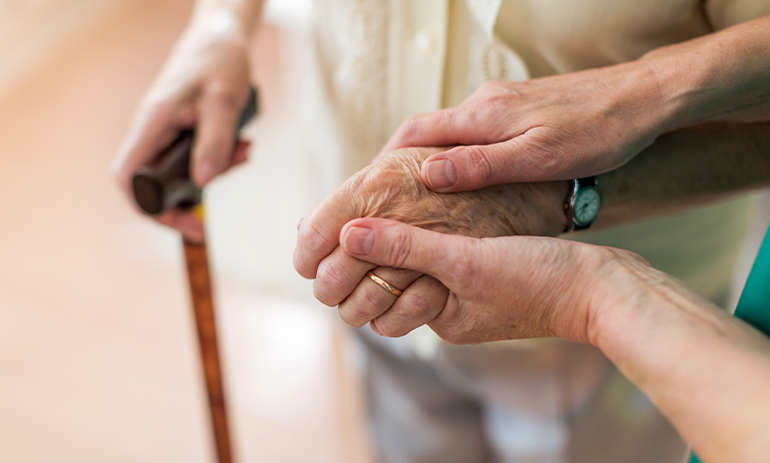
[589, 293]
[615, 297]
[218, 28]
[643, 96]
[638, 313]
[226, 21]
[677, 90]
[554, 196]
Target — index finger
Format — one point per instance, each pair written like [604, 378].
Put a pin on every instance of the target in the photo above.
[152, 130]
[394, 244]
[318, 233]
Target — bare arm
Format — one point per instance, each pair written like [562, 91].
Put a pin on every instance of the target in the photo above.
[715, 78]
[687, 168]
[706, 371]
[716, 138]
[581, 115]
[594, 121]
[682, 169]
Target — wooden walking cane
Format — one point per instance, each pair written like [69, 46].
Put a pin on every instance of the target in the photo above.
[165, 185]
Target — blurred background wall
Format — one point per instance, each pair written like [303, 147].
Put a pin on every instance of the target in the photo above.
[98, 359]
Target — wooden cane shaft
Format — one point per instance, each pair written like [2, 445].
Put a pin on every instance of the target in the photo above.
[200, 290]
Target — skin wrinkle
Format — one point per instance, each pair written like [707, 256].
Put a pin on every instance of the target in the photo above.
[331, 277]
[419, 308]
[393, 189]
[669, 313]
[312, 239]
[649, 290]
[538, 322]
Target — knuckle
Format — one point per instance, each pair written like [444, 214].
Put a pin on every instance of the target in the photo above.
[451, 332]
[480, 165]
[409, 129]
[329, 284]
[463, 269]
[355, 316]
[223, 94]
[416, 305]
[401, 246]
[413, 310]
[371, 296]
[310, 239]
[488, 86]
[389, 329]
[491, 90]
[497, 100]
[361, 309]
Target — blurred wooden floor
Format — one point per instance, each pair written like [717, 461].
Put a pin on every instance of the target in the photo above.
[98, 361]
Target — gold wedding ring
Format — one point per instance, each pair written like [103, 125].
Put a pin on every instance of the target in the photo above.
[384, 284]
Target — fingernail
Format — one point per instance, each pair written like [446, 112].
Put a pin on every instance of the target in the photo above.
[299, 224]
[206, 172]
[441, 173]
[359, 240]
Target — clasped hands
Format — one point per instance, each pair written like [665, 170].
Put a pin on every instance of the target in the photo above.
[337, 250]
[541, 131]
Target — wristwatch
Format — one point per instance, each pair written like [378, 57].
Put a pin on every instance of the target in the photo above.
[583, 204]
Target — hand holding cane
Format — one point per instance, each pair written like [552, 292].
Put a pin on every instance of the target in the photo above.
[165, 185]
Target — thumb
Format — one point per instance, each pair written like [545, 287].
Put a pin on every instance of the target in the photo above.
[467, 168]
[394, 244]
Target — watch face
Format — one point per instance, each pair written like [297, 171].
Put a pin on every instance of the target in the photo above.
[587, 205]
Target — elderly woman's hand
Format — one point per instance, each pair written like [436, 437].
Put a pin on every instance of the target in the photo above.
[391, 188]
[204, 85]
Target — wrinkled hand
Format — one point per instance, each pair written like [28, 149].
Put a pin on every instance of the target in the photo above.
[499, 288]
[391, 188]
[553, 128]
[204, 85]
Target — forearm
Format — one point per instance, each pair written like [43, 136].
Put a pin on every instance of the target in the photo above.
[706, 371]
[712, 105]
[687, 168]
[721, 77]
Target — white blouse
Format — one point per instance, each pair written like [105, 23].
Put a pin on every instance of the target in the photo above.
[384, 60]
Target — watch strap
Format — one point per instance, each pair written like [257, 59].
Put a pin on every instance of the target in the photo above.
[577, 185]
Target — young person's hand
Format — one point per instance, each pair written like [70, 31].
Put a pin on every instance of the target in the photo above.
[590, 122]
[554, 128]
